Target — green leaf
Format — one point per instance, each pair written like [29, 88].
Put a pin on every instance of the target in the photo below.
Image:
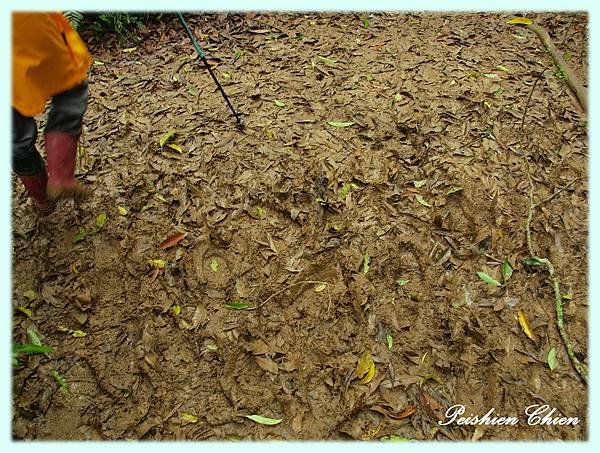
[264, 420]
[486, 278]
[346, 188]
[389, 340]
[366, 261]
[279, 103]
[34, 337]
[29, 348]
[402, 282]
[159, 264]
[122, 210]
[552, 359]
[237, 55]
[327, 61]
[259, 211]
[453, 190]
[419, 183]
[237, 305]
[80, 236]
[532, 262]
[165, 138]
[420, 199]
[192, 90]
[61, 381]
[176, 309]
[214, 265]
[100, 221]
[365, 23]
[340, 123]
[507, 270]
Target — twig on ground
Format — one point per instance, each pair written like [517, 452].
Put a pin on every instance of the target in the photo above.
[303, 282]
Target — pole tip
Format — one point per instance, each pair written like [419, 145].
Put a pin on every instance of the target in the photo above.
[240, 123]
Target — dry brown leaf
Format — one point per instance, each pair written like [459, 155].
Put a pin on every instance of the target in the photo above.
[267, 364]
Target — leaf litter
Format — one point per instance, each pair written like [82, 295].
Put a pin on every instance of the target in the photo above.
[409, 100]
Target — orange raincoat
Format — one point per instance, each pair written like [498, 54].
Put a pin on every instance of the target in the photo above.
[49, 58]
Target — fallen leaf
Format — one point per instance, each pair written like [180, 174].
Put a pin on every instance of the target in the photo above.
[486, 278]
[389, 340]
[525, 325]
[519, 21]
[402, 282]
[267, 364]
[80, 236]
[327, 61]
[340, 123]
[61, 381]
[320, 287]
[532, 261]
[552, 359]
[129, 50]
[122, 210]
[166, 137]
[419, 183]
[159, 264]
[31, 295]
[176, 309]
[237, 305]
[214, 265]
[366, 261]
[171, 240]
[365, 368]
[34, 337]
[422, 201]
[188, 417]
[279, 103]
[175, 147]
[264, 420]
[100, 221]
[507, 270]
[26, 311]
[454, 190]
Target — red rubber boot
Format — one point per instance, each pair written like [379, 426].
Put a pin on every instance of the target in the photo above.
[61, 154]
[36, 188]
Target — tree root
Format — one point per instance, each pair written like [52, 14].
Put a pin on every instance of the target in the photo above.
[560, 321]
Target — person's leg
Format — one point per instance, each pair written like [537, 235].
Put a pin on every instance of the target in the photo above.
[27, 162]
[61, 137]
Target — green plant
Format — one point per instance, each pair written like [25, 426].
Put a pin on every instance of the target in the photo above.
[28, 348]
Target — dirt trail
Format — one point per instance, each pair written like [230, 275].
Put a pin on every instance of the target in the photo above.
[429, 181]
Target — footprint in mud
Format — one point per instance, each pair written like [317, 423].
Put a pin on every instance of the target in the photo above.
[210, 267]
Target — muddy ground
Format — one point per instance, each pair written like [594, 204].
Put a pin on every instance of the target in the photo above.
[430, 182]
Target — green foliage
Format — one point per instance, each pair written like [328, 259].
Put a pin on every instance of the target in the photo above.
[125, 25]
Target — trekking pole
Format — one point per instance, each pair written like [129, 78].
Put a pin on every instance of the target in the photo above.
[239, 120]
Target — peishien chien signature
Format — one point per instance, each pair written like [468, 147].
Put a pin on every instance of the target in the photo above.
[536, 414]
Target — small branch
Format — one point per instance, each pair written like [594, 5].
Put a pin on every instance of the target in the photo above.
[570, 77]
[303, 282]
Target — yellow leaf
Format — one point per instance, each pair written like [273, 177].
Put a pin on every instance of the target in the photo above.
[176, 309]
[525, 325]
[365, 368]
[159, 264]
[519, 21]
[78, 333]
[369, 375]
[129, 49]
[122, 210]
[175, 147]
[320, 287]
[25, 311]
[189, 417]
[30, 294]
